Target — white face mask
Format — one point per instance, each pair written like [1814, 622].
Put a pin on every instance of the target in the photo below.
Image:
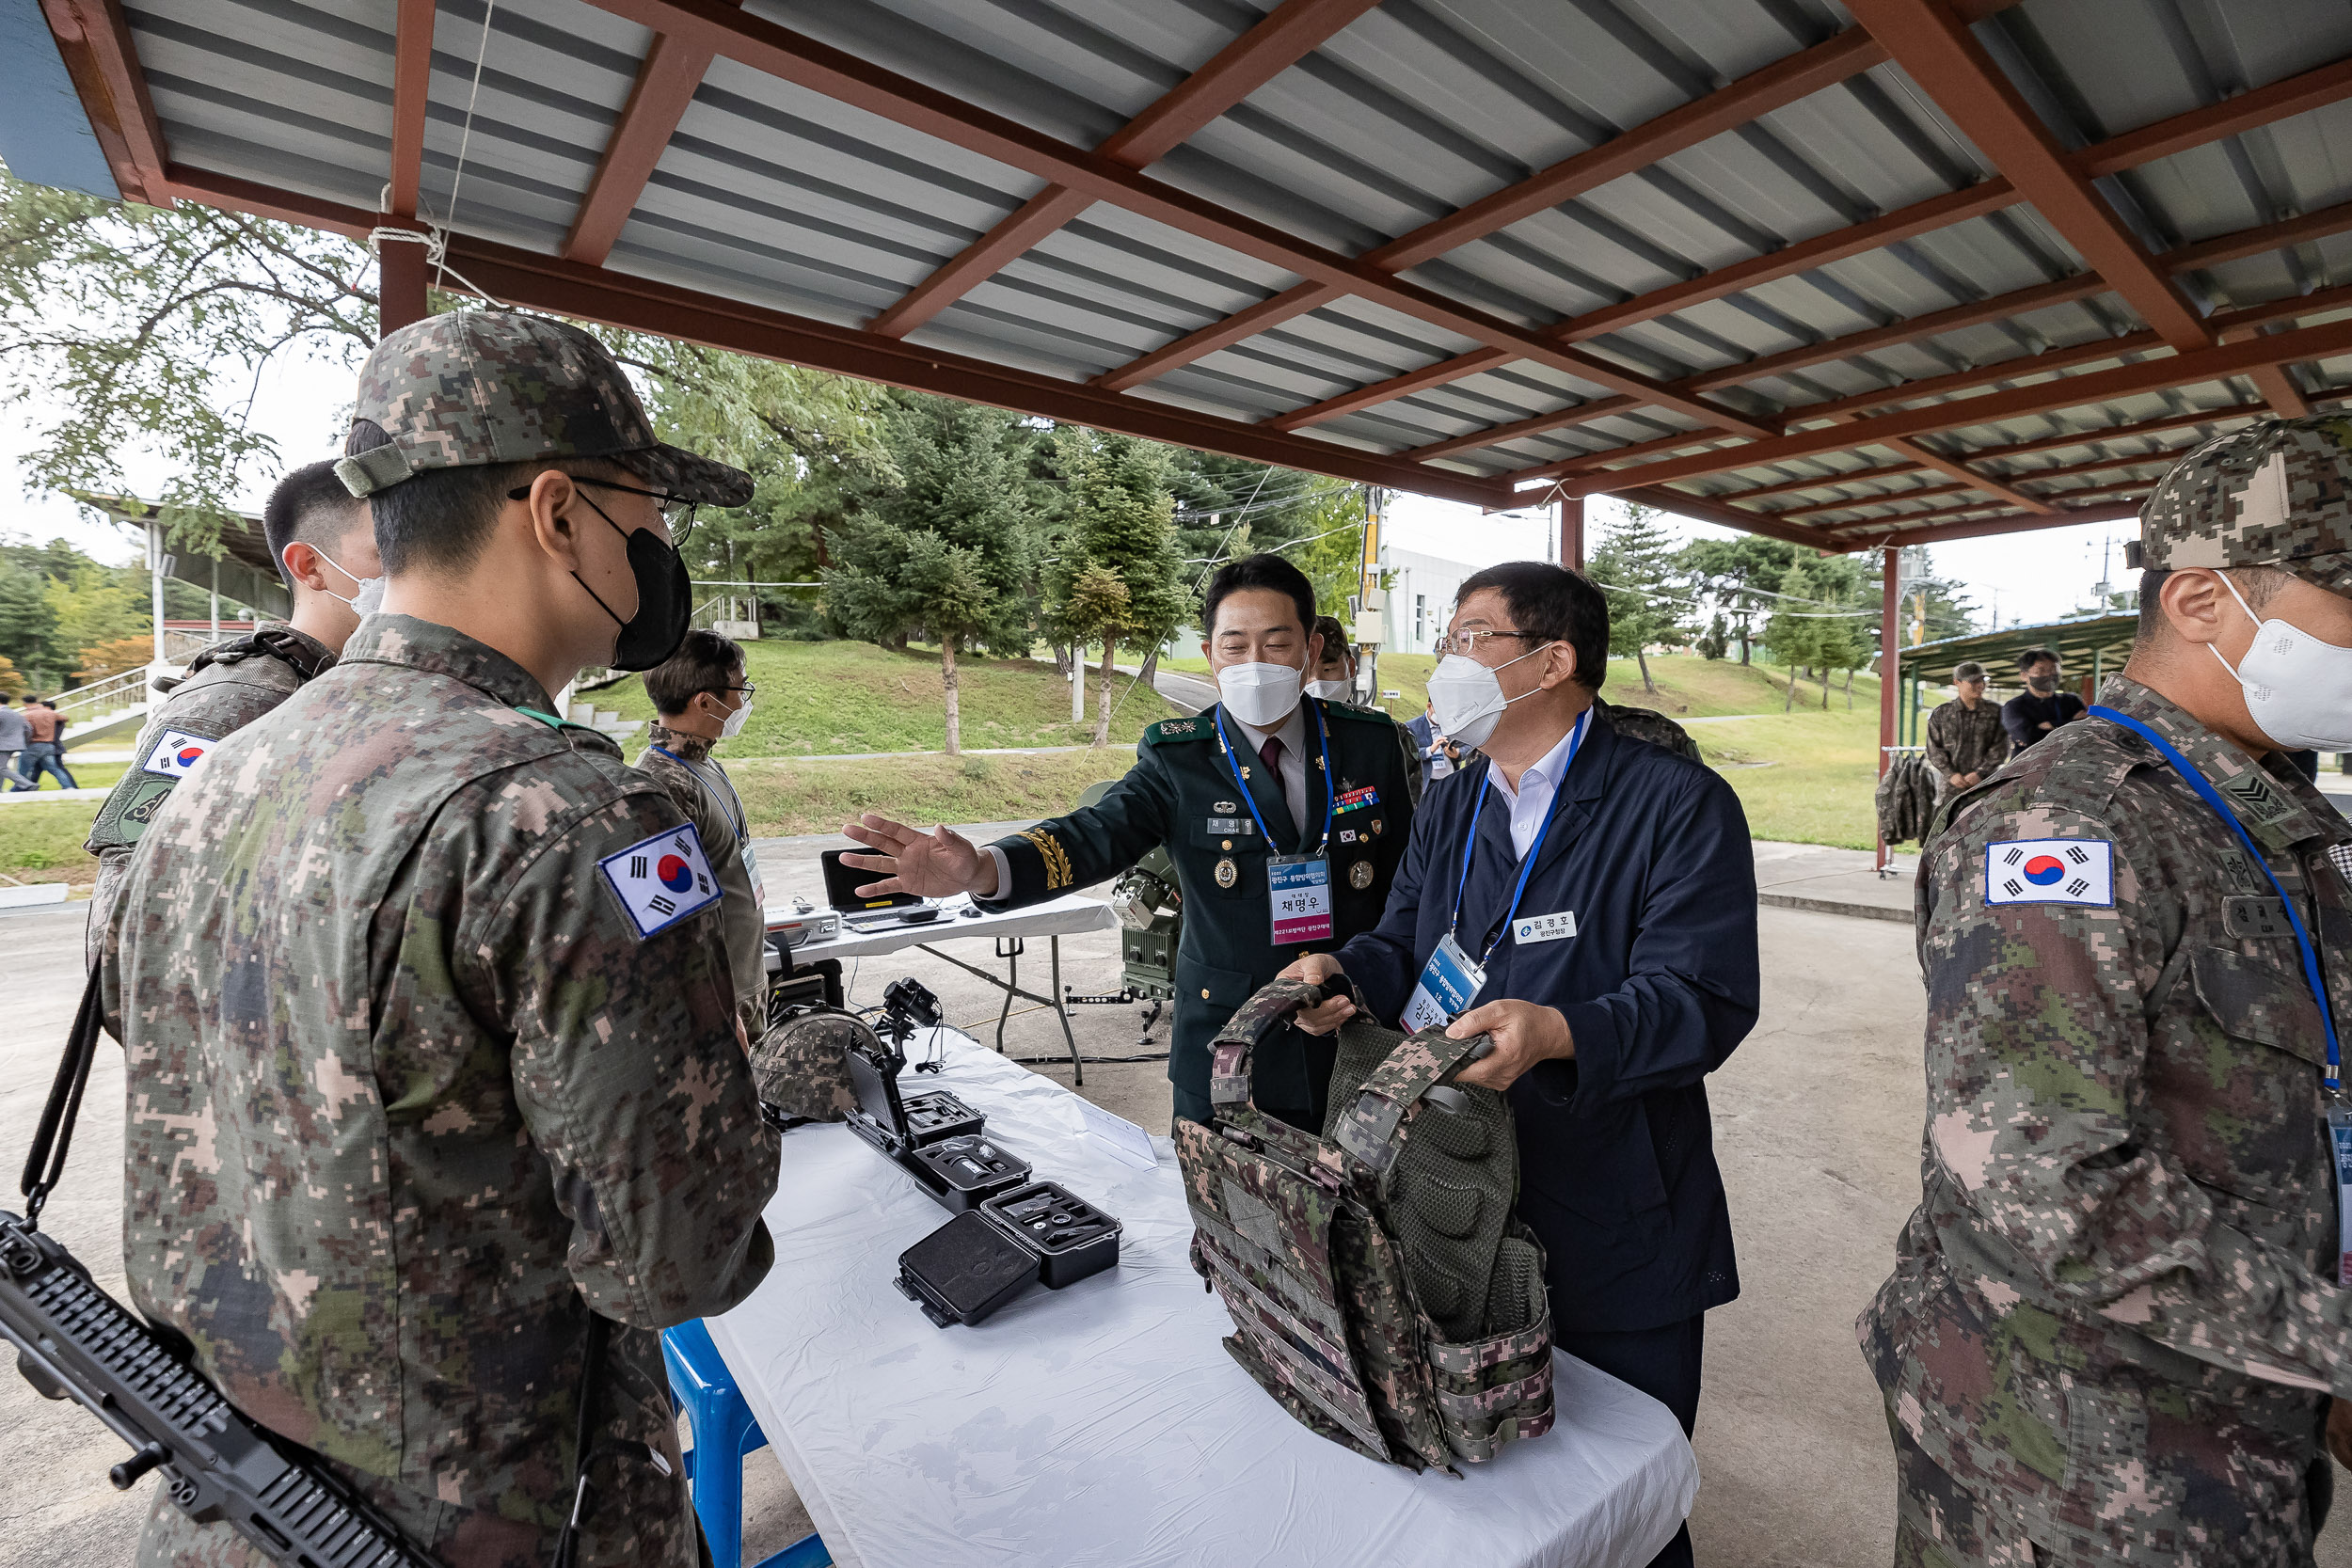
[1332, 691]
[1259, 695]
[734, 725]
[369, 597]
[2298, 689]
[1468, 696]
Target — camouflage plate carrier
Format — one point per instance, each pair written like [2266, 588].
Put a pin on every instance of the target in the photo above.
[802, 1064]
[1382, 1289]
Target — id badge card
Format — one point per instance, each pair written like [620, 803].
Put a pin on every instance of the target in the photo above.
[2340, 1145]
[1298, 890]
[1448, 982]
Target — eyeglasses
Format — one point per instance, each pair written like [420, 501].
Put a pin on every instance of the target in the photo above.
[748, 689]
[677, 512]
[1466, 642]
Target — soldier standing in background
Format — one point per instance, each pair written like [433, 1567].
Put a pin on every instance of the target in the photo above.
[1965, 740]
[2118, 1311]
[324, 543]
[437, 1106]
[702, 698]
[1333, 679]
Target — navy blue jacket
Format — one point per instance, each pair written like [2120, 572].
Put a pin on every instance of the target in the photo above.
[1425, 735]
[1617, 1172]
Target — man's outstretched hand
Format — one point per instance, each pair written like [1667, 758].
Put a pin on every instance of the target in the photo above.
[1524, 1035]
[934, 864]
[1324, 1017]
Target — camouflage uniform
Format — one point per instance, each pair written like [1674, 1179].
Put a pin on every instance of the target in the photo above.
[2113, 1327]
[227, 687]
[1648, 724]
[418, 1084]
[681, 764]
[1961, 740]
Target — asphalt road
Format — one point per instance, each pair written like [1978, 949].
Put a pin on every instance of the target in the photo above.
[1817, 1122]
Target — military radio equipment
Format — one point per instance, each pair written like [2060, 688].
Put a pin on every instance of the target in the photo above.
[1151, 908]
[74, 1341]
[1382, 1290]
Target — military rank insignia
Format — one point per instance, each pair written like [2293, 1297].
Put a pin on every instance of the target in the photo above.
[662, 881]
[2050, 871]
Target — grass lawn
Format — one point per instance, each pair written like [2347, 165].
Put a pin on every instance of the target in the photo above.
[816, 698]
[787, 798]
[1806, 778]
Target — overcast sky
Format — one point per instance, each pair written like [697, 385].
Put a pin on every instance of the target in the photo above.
[305, 405]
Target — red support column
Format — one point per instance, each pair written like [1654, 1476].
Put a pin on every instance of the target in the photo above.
[1890, 600]
[400, 283]
[1572, 532]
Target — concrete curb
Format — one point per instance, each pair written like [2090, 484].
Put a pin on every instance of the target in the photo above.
[1833, 906]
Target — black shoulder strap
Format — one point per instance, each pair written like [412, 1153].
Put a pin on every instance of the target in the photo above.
[45, 1163]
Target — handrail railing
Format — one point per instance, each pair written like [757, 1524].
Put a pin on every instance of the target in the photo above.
[100, 697]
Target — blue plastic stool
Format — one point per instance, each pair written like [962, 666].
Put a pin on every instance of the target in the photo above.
[723, 1432]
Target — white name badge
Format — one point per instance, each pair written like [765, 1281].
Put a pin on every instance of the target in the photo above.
[2340, 1140]
[1543, 927]
[1448, 982]
[1298, 892]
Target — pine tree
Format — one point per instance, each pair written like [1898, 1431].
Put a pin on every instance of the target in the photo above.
[1739, 575]
[945, 551]
[1116, 578]
[1638, 568]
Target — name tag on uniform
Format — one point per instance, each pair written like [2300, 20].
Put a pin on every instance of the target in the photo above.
[1533, 928]
[2050, 871]
[1236, 827]
[1298, 891]
[2339, 1141]
[662, 881]
[1448, 981]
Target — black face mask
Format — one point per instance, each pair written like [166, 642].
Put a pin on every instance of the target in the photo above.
[2041, 686]
[665, 599]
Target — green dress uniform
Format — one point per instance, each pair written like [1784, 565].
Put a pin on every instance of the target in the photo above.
[1185, 792]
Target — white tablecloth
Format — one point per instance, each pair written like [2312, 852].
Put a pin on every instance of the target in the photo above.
[1056, 917]
[1105, 1424]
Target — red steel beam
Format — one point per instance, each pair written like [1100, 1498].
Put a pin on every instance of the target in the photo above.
[1939, 53]
[1290, 33]
[2278, 389]
[1854, 503]
[2217, 363]
[1709, 511]
[657, 100]
[1953, 468]
[1559, 419]
[412, 85]
[2262, 106]
[2008, 522]
[2255, 242]
[595, 294]
[94, 39]
[1776, 86]
[842, 76]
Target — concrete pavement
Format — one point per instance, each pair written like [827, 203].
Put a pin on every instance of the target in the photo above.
[1817, 1121]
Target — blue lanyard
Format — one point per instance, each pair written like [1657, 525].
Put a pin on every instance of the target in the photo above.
[2198, 782]
[735, 813]
[1527, 862]
[1322, 740]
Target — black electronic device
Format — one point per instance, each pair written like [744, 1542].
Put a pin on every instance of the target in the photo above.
[935, 1116]
[964, 1270]
[843, 882]
[964, 1173]
[893, 1123]
[1071, 1237]
[984, 1257]
[880, 1116]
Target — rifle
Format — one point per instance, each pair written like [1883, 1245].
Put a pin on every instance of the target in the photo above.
[75, 1341]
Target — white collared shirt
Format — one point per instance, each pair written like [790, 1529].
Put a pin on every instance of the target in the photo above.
[1292, 733]
[1537, 786]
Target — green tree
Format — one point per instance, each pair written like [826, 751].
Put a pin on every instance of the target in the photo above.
[1737, 575]
[945, 550]
[1648, 591]
[1116, 577]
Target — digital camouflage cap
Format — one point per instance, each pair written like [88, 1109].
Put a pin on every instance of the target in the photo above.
[2278, 493]
[480, 387]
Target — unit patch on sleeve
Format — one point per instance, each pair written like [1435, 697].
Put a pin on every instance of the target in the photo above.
[662, 881]
[2050, 871]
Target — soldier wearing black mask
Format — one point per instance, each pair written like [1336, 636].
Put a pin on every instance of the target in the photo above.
[2042, 707]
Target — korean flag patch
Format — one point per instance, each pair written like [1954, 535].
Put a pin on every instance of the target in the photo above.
[2050, 871]
[662, 881]
[176, 754]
